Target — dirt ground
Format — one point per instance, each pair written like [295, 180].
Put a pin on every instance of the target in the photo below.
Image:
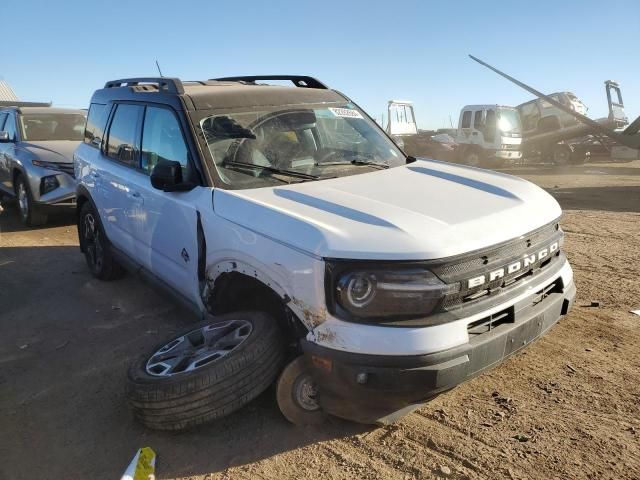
[573, 398]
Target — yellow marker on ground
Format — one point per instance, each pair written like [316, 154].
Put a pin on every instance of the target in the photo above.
[142, 467]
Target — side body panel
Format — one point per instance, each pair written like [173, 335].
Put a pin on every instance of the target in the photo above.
[163, 226]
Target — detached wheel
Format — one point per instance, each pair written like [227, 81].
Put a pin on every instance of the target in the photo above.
[216, 368]
[297, 395]
[96, 245]
[29, 215]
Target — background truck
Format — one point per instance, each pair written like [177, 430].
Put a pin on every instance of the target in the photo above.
[402, 127]
[488, 135]
[610, 127]
[555, 136]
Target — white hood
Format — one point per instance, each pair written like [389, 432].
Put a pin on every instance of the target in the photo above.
[424, 210]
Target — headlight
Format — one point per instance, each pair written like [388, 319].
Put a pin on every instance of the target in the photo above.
[376, 293]
[43, 164]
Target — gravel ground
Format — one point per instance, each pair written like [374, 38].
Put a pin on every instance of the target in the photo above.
[572, 398]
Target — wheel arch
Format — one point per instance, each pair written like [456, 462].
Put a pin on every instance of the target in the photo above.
[15, 172]
[233, 285]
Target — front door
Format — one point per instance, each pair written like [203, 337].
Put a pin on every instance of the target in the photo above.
[166, 227]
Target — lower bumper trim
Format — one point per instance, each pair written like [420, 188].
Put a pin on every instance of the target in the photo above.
[375, 389]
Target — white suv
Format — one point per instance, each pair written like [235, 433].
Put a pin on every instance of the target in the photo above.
[301, 235]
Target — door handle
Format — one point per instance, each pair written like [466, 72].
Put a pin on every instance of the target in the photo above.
[136, 197]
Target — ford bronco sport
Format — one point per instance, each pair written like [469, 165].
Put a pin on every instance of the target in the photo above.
[302, 236]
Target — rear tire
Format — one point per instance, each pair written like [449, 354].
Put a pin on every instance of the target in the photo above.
[473, 157]
[562, 154]
[296, 393]
[96, 245]
[493, 162]
[163, 400]
[29, 214]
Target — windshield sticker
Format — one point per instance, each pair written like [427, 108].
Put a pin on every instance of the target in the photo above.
[345, 113]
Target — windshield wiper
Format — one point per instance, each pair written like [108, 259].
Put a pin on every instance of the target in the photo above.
[291, 173]
[355, 162]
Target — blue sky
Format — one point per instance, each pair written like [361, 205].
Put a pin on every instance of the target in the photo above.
[371, 50]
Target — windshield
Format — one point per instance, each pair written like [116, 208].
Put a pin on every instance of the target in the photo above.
[273, 146]
[52, 126]
[508, 121]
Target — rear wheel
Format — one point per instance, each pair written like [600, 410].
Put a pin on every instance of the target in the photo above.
[96, 245]
[29, 214]
[297, 395]
[473, 157]
[215, 368]
[494, 162]
[562, 154]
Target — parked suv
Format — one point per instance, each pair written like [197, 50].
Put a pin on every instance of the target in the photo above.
[302, 236]
[36, 158]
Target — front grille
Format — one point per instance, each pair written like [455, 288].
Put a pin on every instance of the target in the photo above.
[460, 270]
[510, 146]
[470, 263]
[487, 324]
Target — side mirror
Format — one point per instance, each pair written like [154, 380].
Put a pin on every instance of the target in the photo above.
[4, 137]
[166, 175]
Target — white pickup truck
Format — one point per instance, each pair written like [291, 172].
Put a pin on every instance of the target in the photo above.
[304, 237]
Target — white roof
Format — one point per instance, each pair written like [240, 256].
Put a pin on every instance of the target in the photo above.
[6, 92]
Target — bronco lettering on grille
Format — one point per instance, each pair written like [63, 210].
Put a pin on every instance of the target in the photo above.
[522, 265]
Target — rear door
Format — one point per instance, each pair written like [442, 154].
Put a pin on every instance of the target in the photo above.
[166, 225]
[117, 166]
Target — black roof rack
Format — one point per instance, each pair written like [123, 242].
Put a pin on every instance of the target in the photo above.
[17, 103]
[166, 84]
[302, 81]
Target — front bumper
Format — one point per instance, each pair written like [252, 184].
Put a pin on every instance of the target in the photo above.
[380, 388]
[509, 154]
[63, 197]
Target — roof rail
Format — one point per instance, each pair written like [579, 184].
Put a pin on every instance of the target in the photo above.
[301, 81]
[17, 103]
[166, 84]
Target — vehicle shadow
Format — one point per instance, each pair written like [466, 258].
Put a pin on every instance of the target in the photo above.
[66, 343]
[10, 219]
[609, 198]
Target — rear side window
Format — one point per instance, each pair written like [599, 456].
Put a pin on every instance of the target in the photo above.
[96, 122]
[123, 134]
[162, 139]
[466, 119]
[3, 116]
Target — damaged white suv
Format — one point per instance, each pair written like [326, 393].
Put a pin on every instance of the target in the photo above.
[315, 252]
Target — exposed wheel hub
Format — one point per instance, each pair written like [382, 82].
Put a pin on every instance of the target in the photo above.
[305, 393]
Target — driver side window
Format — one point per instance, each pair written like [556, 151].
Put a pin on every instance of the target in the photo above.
[162, 139]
